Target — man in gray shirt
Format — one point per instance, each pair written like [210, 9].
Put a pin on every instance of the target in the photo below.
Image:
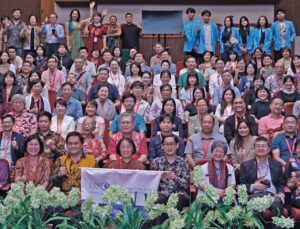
[198, 145]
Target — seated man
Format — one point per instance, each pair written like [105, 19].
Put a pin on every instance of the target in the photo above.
[77, 93]
[239, 107]
[271, 124]
[165, 55]
[166, 123]
[54, 144]
[219, 178]
[74, 108]
[198, 145]
[263, 176]
[107, 57]
[126, 148]
[129, 102]
[166, 92]
[66, 172]
[127, 130]
[102, 79]
[283, 145]
[191, 65]
[138, 58]
[11, 143]
[293, 177]
[158, 47]
[87, 65]
[218, 93]
[176, 176]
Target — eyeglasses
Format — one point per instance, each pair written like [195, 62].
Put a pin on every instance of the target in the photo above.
[261, 146]
[126, 123]
[88, 124]
[169, 144]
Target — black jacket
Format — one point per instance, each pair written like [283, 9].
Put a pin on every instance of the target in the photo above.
[19, 153]
[249, 174]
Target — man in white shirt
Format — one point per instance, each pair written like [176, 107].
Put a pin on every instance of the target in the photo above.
[87, 66]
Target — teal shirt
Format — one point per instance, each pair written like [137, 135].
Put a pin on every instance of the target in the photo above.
[182, 79]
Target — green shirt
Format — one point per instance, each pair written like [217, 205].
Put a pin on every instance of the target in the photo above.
[182, 79]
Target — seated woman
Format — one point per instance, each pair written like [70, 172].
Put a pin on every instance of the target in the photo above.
[165, 77]
[126, 149]
[202, 107]
[148, 87]
[216, 171]
[91, 144]
[293, 177]
[295, 67]
[246, 82]
[169, 107]
[186, 92]
[41, 60]
[224, 110]
[90, 111]
[206, 63]
[135, 75]
[286, 58]
[242, 145]
[62, 123]
[96, 58]
[106, 108]
[250, 97]
[33, 167]
[288, 94]
[239, 71]
[35, 103]
[261, 107]
[35, 76]
[5, 64]
[9, 87]
[190, 109]
[117, 53]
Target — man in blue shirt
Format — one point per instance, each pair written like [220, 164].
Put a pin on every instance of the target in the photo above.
[283, 145]
[166, 123]
[54, 34]
[102, 78]
[283, 34]
[128, 100]
[74, 108]
[227, 83]
[164, 55]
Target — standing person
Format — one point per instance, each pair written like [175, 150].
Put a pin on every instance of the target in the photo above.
[229, 38]
[190, 32]
[12, 29]
[263, 35]
[65, 59]
[53, 78]
[73, 30]
[31, 35]
[130, 33]
[96, 32]
[66, 171]
[246, 33]
[54, 34]
[208, 34]
[283, 33]
[113, 34]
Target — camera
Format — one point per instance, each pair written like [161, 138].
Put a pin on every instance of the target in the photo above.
[266, 183]
[53, 31]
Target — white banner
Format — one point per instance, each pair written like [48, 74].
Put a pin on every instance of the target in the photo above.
[94, 182]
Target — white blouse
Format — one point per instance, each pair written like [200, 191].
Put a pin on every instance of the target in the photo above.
[68, 125]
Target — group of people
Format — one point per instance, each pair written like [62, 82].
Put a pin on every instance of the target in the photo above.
[116, 111]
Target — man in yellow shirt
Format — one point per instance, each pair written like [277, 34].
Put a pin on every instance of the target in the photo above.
[66, 173]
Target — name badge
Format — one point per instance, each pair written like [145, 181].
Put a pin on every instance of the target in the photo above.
[95, 39]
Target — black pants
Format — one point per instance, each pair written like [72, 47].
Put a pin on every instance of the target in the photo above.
[51, 48]
[183, 200]
[274, 208]
[277, 55]
[296, 203]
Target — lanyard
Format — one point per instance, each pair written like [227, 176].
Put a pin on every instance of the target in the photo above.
[50, 33]
[218, 77]
[85, 67]
[52, 83]
[242, 154]
[7, 94]
[113, 81]
[278, 85]
[191, 94]
[81, 78]
[289, 147]
[137, 107]
[90, 146]
[205, 147]
[30, 168]
[259, 64]
[5, 145]
[260, 176]
[236, 120]
[36, 104]
[130, 164]
[227, 112]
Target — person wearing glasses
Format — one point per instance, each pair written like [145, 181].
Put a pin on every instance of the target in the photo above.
[263, 176]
